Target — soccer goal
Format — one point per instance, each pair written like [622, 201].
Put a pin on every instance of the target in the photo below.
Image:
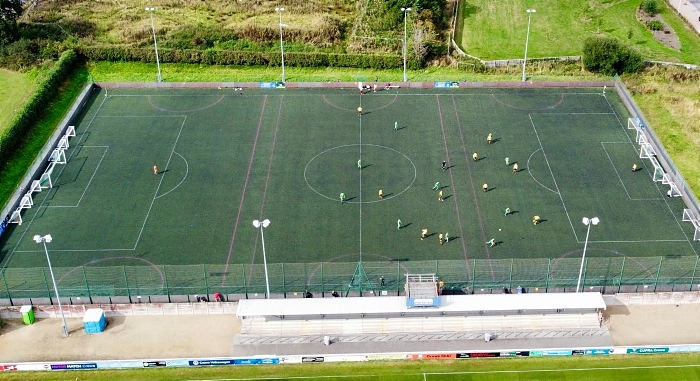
[659, 173]
[16, 217]
[35, 187]
[688, 215]
[58, 156]
[45, 180]
[70, 131]
[63, 142]
[26, 202]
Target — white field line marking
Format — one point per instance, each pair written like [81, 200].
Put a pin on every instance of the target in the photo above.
[533, 177]
[187, 171]
[572, 369]
[553, 178]
[89, 182]
[172, 152]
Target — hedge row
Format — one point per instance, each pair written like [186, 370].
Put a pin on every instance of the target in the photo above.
[34, 108]
[243, 58]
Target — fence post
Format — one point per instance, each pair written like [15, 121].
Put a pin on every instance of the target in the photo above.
[167, 289]
[658, 271]
[126, 284]
[245, 281]
[510, 277]
[46, 283]
[206, 281]
[398, 278]
[622, 271]
[549, 274]
[284, 282]
[7, 289]
[692, 278]
[87, 285]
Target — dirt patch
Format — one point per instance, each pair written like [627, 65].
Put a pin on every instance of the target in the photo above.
[666, 36]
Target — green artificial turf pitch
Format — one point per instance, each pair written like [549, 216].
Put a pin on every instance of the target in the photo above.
[226, 158]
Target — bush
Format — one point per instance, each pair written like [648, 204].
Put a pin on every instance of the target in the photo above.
[651, 7]
[25, 118]
[244, 58]
[609, 56]
[655, 25]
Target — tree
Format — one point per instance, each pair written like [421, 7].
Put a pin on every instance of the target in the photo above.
[609, 56]
[10, 10]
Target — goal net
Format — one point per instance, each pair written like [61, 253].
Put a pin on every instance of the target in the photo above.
[45, 180]
[688, 215]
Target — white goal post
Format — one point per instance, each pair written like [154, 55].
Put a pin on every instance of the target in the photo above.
[70, 131]
[45, 179]
[689, 216]
[16, 217]
[58, 156]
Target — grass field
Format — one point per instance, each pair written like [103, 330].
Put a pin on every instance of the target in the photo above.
[644, 367]
[226, 158]
[493, 30]
[15, 88]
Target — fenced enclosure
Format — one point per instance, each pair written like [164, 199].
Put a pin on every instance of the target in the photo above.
[184, 226]
[603, 274]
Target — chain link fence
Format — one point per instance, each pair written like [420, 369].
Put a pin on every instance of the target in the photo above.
[242, 281]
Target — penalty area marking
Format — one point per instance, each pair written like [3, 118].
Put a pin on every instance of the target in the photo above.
[533, 176]
[187, 171]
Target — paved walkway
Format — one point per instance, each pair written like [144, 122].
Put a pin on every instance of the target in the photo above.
[201, 336]
[690, 10]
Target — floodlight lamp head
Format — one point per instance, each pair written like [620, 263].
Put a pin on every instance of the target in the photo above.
[37, 238]
[595, 220]
[150, 9]
[531, 11]
[278, 9]
[266, 223]
[256, 223]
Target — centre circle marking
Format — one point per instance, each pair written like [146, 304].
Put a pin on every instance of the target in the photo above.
[306, 179]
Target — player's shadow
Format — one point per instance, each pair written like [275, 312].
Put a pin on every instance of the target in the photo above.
[443, 187]
[495, 140]
[542, 221]
[163, 171]
[350, 199]
[480, 159]
[513, 212]
[450, 167]
[430, 235]
[366, 166]
[406, 225]
[639, 168]
[489, 189]
[387, 195]
[446, 197]
[453, 239]
[521, 169]
[497, 243]
[401, 128]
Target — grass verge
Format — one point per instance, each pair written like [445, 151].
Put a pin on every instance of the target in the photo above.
[15, 88]
[12, 172]
[629, 367]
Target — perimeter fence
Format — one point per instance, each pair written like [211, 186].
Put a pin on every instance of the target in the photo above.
[166, 283]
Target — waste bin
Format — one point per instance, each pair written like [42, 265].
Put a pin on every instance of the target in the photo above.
[27, 314]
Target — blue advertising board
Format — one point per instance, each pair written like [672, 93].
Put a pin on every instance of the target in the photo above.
[272, 85]
[90, 365]
[234, 362]
[648, 350]
[604, 351]
[446, 85]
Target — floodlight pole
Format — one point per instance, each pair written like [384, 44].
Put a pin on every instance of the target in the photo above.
[155, 43]
[280, 10]
[405, 11]
[262, 225]
[527, 39]
[44, 240]
[588, 222]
